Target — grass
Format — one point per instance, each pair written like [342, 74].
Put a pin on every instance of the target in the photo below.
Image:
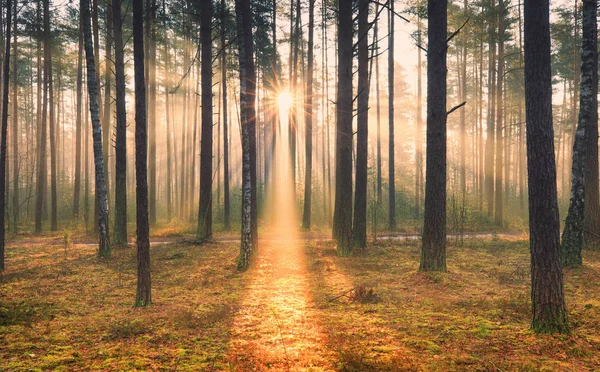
[307, 309]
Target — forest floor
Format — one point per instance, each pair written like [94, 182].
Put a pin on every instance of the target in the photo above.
[299, 307]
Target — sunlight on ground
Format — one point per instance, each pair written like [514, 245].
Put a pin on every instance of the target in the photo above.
[277, 325]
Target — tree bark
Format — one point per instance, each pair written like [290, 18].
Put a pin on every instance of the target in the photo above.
[102, 205]
[106, 122]
[308, 116]
[359, 231]
[248, 122]
[77, 190]
[489, 143]
[592, 189]
[573, 234]
[151, 107]
[342, 217]
[206, 149]
[547, 295]
[53, 171]
[120, 234]
[433, 251]
[143, 294]
[3, 143]
[226, 201]
[42, 162]
[16, 134]
[419, 132]
[391, 151]
[498, 212]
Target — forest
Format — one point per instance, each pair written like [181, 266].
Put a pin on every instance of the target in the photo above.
[299, 185]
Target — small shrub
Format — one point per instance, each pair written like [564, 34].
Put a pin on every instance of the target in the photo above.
[364, 294]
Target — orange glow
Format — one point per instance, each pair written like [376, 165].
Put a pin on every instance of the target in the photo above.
[284, 101]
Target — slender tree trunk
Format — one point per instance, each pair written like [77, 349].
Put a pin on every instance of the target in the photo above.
[182, 160]
[463, 112]
[143, 294]
[308, 118]
[419, 132]
[433, 251]
[342, 218]
[102, 205]
[248, 123]
[489, 143]
[206, 149]
[106, 122]
[592, 190]
[572, 238]
[86, 172]
[169, 133]
[378, 98]
[359, 231]
[151, 83]
[77, 191]
[522, 160]
[391, 152]
[16, 135]
[498, 212]
[3, 143]
[42, 162]
[547, 295]
[120, 236]
[48, 63]
[226, 201]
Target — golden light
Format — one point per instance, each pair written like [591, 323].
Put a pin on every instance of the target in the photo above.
[284, 101]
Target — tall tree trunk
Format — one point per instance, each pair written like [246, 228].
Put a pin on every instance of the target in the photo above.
[48, 63]
[463, 112]
[293, 116]
[308, 116]
[342, 217]
[498, 212]
[419, 132]
[151, 83]
[491, 106]
[521, 121]
[433, 251]
[572, 238]
[206, 149]
[169, 133]
[378, 98]
[547, 295]
[102, 205]
[120, 234]
[143, 294]
[16, 135]
[77, 191]
[248, 122]
[42, 162]
[391, 151]
[106, 122]
[359, 231]
[3, 143]
[182, 160]
[592, 190]
[226, 201]
[86, 161]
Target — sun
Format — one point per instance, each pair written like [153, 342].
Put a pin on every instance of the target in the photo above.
[284, 101]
